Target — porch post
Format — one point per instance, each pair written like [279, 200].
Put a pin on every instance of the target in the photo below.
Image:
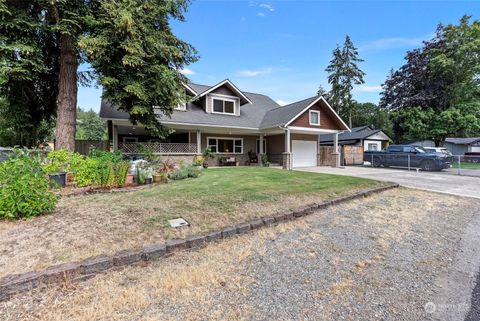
[336, 153]
[319, 157]
[199, 142]
[287, 156]
[260, 151]
[114, 136]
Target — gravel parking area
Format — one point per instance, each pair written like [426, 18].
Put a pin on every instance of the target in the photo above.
[381, 258]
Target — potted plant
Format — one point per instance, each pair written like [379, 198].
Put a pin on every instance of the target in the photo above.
[157, 177]
[149, 175]
[207, 153]
[129, 180]
[163, 178]
[56, 174]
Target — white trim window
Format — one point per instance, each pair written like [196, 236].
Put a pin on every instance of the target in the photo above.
[181, 106]
[372, 146]
[225, 145]
[314, 117]
[223, 106]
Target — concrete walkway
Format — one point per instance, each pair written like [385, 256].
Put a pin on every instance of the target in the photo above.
[430, 181]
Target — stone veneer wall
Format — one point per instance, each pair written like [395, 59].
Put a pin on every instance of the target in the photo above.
[287, 161]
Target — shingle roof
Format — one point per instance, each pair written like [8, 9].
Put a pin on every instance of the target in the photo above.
[357, 133]
[281, 115]
[262, 113]
[251, 115]
[462, 141]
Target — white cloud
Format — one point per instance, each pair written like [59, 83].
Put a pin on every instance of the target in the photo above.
[260, 14]
[254, 73]
[388, 43]
[282, 102]
[187, 72]
[269, 7]
[368, 89]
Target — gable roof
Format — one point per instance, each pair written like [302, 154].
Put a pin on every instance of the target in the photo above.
[285, 115]
[357, 133]
[260, 112]
[251, 114]
[223, 83]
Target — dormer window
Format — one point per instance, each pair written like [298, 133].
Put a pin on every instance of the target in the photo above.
[224, 106]
[181, 106]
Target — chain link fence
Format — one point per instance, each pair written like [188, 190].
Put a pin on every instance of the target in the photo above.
[5, 153]
[452, 164]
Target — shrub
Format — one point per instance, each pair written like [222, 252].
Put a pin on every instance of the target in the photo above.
[83, 169]
[86, 172]
[58, 160]
[185, 172]
[144, 172]
[24, 188]
[264, 159]
[197, 160]
[106, 174]
[121, 171]
[104, 156]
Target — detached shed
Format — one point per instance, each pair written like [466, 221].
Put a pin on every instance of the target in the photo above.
[366, 136]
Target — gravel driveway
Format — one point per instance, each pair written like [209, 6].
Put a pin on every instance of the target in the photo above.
[391, 256]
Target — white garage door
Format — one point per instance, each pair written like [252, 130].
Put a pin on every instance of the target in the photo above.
[304, 153]
[476, 149]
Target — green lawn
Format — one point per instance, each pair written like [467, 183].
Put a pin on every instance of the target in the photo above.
[84, 226]
[467, 165]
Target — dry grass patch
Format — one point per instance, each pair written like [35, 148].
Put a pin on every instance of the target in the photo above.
[85, 226]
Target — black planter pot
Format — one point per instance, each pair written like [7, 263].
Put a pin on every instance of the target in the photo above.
[148, 180]
[59, 178]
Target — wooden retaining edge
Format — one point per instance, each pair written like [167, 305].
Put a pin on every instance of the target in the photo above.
[67, 273]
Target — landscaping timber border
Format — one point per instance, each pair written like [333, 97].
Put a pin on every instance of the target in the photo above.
[67, 273]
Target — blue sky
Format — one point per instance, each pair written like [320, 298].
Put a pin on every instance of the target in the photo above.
[281, 48]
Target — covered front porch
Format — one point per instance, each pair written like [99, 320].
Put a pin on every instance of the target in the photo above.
[288, 147]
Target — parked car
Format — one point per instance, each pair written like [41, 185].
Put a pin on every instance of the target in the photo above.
[439, 150]
[408, 156]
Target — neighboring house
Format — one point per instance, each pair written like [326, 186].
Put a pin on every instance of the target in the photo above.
[235, 124]
[457, 146]
[366, 136]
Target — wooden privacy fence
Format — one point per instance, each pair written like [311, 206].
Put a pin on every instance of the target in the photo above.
[83, 146]
[326, 156]
[351, 155]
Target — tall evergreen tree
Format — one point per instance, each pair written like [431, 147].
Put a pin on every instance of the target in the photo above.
[322, 92]
[344, 73]
[335, 71]
[129, 44]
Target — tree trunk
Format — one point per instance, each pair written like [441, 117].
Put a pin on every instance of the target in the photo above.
[67, 95]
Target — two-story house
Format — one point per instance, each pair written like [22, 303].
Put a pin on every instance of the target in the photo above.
[234, 124]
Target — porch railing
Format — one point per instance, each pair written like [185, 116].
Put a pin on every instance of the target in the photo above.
[158, 148]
